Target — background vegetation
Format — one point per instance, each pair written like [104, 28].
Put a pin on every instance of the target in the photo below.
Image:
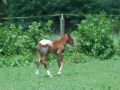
[94, 36]
[96, 29]
[43, 7]
[47, 7]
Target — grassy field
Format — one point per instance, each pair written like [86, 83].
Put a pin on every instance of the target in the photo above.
[100, 75]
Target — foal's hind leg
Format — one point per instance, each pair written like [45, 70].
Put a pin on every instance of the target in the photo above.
[37, 65]
[46, 66]
[60, 63]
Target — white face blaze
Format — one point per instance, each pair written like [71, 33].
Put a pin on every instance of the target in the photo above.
[46, 42]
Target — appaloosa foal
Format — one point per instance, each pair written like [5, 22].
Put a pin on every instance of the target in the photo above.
[57, 47]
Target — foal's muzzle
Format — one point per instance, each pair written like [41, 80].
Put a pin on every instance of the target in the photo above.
[72, 43]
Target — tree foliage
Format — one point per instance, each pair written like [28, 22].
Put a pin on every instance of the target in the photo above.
[43, 7]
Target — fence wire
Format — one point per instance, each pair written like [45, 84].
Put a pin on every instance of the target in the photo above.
[52, 15]
[69, 20]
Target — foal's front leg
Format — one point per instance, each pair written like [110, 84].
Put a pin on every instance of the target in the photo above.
[46, 66]
[60, 63]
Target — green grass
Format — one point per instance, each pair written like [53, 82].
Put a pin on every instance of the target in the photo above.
[99, 75]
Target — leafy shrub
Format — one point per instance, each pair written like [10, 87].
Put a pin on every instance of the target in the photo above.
[116, 26]
[15, 42]
[17, 60]
[36, 31]
[76, 57]
[7, 39]
[94, 37]
[117, 44]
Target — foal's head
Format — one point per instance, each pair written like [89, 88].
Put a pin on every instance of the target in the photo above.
[69, 39]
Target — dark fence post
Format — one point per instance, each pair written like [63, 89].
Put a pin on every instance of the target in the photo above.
[62, 25]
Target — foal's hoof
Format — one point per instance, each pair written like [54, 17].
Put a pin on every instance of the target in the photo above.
[59, 74]
[50, 76]
[37, 73]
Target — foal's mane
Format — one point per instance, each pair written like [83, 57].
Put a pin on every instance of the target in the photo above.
[62, 39]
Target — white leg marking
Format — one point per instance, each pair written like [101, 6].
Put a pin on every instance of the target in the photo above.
[37, 71]
[59, 72]
[49, 74]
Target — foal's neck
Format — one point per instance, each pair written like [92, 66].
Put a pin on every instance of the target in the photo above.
[62, 41]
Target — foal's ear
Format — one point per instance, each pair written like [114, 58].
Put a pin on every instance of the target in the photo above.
[68, 35]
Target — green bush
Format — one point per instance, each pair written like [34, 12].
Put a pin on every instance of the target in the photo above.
[117, 44]
[94, 37]
[116, 26]
[16, 44]
[17, 60]
[37, 31]
[76, 57]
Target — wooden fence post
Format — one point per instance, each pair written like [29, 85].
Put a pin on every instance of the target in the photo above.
[62, 26]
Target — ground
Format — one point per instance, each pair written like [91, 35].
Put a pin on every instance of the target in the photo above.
[97, 75]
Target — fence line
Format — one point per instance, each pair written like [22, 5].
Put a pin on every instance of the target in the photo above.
[27, 17]
[52, 15]
[62, 24]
